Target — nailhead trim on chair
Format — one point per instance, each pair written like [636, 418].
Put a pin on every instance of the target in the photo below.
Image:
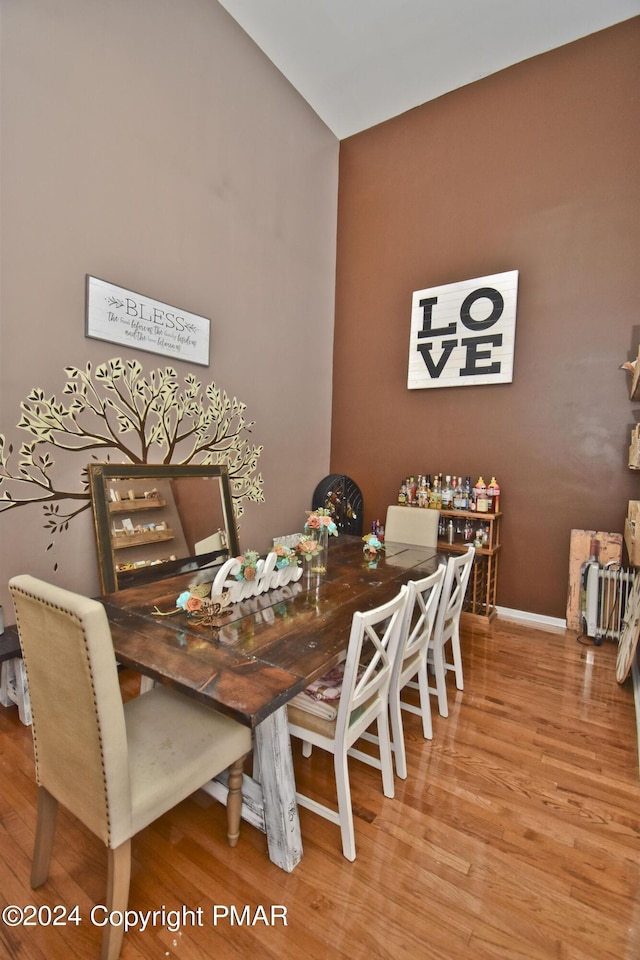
[55, 606]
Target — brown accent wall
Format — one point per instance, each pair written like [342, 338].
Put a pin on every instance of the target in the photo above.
[533, 169]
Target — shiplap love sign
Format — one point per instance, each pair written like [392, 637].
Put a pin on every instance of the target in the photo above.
[463, 333]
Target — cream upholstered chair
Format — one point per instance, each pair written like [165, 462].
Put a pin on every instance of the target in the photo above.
[363, 699]
[115, 767]
[412, 525]
[447, 628]
[411, 661]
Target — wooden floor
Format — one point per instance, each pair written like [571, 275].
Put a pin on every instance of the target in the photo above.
[515, 837]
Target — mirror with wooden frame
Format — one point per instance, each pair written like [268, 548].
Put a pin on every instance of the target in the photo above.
[154, 521]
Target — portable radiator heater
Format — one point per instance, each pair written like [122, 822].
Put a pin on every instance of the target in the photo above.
[606, 590]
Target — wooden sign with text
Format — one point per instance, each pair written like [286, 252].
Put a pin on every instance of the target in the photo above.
[463, 333]
[124, 317]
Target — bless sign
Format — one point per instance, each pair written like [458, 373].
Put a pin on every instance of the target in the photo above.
[463, 333]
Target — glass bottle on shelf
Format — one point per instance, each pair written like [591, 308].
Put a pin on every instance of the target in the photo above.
[459, 496]
[493, 493]
[433, 495]
[447, 494]
[423, 494]
[480, 491]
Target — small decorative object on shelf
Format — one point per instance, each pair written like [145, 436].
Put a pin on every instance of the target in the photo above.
[634, 448]
[633, 367]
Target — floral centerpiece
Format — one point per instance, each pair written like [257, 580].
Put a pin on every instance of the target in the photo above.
[373, 546]
[248, 565]
[286, 556]
[314, 546]
[320, 521]
[308, 548]
[198, 605]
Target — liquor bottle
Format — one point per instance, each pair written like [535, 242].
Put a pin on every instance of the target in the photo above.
[402, 494]
[447, 494]
[467, 492]
[480, 491]
[423, 493]
[493, 492]
[459, 496]
[433, 495]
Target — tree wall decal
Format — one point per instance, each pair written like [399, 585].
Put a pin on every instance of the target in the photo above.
[118, 413]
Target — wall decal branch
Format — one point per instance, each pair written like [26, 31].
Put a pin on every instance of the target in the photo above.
[117, 412]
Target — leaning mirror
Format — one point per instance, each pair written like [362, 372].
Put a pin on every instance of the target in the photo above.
[154, 521]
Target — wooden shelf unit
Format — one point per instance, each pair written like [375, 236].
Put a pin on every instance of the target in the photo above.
[480, 600]
[133, 506]
[126, 540]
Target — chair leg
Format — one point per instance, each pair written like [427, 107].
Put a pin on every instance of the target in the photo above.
[45, 833]
[345, 811]
[457, 659]
[386, 757]
[118, 880]
[439, 672]
[397, 733]
[425, 703]
[234, 801]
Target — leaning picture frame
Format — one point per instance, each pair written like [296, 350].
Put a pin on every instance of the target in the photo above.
[127, 318]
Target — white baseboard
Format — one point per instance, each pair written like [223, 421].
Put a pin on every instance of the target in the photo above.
[532, 619]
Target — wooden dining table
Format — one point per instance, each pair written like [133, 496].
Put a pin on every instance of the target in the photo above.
[257, 655]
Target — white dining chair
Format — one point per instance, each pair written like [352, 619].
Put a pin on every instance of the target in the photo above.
[116, 767]
[447, 628]
[363, 701]
[411, 661]
[413, 525]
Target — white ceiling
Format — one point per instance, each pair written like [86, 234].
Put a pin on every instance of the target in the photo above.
[359, 62]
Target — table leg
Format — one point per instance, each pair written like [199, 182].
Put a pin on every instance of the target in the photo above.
[282, 823]
[269, 800]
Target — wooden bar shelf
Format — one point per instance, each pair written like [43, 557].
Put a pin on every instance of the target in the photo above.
[480, 600]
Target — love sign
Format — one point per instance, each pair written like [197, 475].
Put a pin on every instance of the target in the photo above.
[463, 333]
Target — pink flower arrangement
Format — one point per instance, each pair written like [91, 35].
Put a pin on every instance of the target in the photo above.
[308, 548]
[321, 518]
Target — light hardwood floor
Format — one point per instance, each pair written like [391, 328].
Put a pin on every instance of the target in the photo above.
[515, 837]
